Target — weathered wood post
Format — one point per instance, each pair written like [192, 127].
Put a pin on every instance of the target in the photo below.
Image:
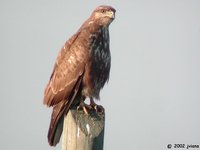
[83, 131]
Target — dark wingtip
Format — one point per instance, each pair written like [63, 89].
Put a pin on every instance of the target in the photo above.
[56, 124]
[55, 134]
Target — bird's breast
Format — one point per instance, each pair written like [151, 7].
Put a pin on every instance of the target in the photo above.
[98, 66]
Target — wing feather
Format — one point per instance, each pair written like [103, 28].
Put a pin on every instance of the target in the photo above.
[68, 68]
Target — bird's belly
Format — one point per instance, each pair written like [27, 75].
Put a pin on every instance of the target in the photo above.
[96, 75]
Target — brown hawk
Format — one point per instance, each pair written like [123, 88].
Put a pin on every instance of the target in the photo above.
[81, 69]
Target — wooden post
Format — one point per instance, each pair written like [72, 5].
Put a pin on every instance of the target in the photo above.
[83, 131]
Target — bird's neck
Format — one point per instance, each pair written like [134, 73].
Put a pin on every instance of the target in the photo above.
[94, 25]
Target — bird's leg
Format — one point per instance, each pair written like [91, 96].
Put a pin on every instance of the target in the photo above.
[98, 108]
[84, 107]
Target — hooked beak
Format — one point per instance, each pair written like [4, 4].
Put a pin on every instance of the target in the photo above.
[111, 14]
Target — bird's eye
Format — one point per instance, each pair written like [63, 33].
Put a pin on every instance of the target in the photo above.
[102, 11]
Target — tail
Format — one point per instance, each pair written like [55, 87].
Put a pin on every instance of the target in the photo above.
[57, 116]
[56, 125]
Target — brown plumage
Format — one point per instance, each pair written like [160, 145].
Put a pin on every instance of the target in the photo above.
[81, 69]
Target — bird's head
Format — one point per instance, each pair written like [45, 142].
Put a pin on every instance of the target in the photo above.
[104, 15]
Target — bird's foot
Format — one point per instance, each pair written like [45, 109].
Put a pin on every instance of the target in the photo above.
[97, 108]
[83, 106]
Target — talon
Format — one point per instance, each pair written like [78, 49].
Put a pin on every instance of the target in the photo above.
[97, 108]
[84, 107]
[85, 110]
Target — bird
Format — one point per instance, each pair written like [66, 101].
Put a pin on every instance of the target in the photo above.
[81, 70]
